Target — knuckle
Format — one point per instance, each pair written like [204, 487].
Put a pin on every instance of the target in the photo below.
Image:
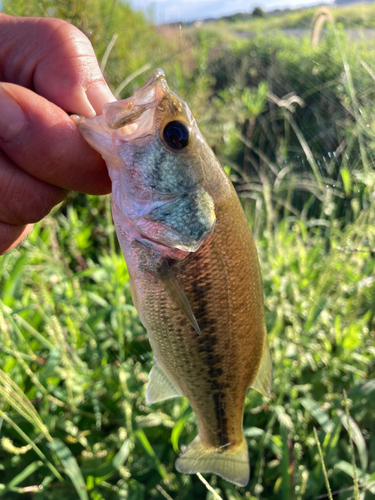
[65, 35]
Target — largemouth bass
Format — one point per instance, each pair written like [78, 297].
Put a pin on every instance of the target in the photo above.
[193, 267]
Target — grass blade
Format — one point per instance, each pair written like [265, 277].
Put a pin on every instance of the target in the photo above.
[14, 396]
[12, 282]
[323, 465]
[70, 465]
[351, 448]
[29, 441]
[356, 436]
[177, 429]
[285, 466]
[108, 469]
[209, 487]
[22, 476]
[314, 409]
[150, 452]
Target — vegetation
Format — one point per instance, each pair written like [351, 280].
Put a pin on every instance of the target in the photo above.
[293, 126]
[360, 15]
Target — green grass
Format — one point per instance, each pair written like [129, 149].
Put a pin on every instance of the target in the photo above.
[74, 356]
[73, 345]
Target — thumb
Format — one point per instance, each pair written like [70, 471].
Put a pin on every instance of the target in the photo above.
[60, 63]
[77, 84]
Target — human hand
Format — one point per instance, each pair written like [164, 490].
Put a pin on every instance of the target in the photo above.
[50, 70]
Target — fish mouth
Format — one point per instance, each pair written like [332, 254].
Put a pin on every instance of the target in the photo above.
[127, 111]
[156, 83]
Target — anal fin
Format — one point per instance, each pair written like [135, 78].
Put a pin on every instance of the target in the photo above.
[176, 291]
[263, 380]
[159, 386]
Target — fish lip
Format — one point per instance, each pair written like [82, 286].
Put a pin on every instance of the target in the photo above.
[157, 77]
[127, 111]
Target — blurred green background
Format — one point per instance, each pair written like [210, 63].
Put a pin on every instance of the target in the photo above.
[287, 103]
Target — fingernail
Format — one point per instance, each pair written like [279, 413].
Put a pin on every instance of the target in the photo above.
[85, 108]
[98, 95]
[12, 117]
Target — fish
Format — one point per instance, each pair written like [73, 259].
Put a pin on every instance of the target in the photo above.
[193, 268]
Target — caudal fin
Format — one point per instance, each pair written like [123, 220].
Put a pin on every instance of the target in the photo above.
[231, 462]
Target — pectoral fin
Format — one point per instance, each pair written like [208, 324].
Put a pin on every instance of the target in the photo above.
[176, 291]
[263, 380]
[159, 386]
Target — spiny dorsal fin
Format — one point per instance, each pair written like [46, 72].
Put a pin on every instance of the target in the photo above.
[159, 386]
[176, 291]
[263, 380]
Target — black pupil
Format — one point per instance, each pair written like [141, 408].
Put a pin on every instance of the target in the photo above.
[176, 135]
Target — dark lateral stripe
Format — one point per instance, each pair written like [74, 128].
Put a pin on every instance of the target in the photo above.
[207, 342]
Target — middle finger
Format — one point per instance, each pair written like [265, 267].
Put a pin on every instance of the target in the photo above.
[24, 199]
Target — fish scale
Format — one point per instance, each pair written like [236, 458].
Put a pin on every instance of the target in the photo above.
[201, 275]
[193, 268]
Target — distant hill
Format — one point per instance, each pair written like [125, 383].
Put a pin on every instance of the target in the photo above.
[245, 16]
[349, 2]
[298, 18]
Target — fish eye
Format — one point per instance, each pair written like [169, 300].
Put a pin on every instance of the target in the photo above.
[176, 135]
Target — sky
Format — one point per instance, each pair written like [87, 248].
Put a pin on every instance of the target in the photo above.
[167, 11]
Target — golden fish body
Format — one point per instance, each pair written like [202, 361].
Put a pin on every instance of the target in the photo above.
[193, 266]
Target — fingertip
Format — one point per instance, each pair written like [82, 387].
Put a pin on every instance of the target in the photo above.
[12, 236]
[98, 95]
[81, 103]
[90, 102]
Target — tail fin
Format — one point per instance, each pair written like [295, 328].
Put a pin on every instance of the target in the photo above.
[230, 462]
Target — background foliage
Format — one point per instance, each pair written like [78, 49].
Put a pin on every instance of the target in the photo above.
[292, 123]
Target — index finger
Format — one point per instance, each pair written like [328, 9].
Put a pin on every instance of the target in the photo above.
[46, 144]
